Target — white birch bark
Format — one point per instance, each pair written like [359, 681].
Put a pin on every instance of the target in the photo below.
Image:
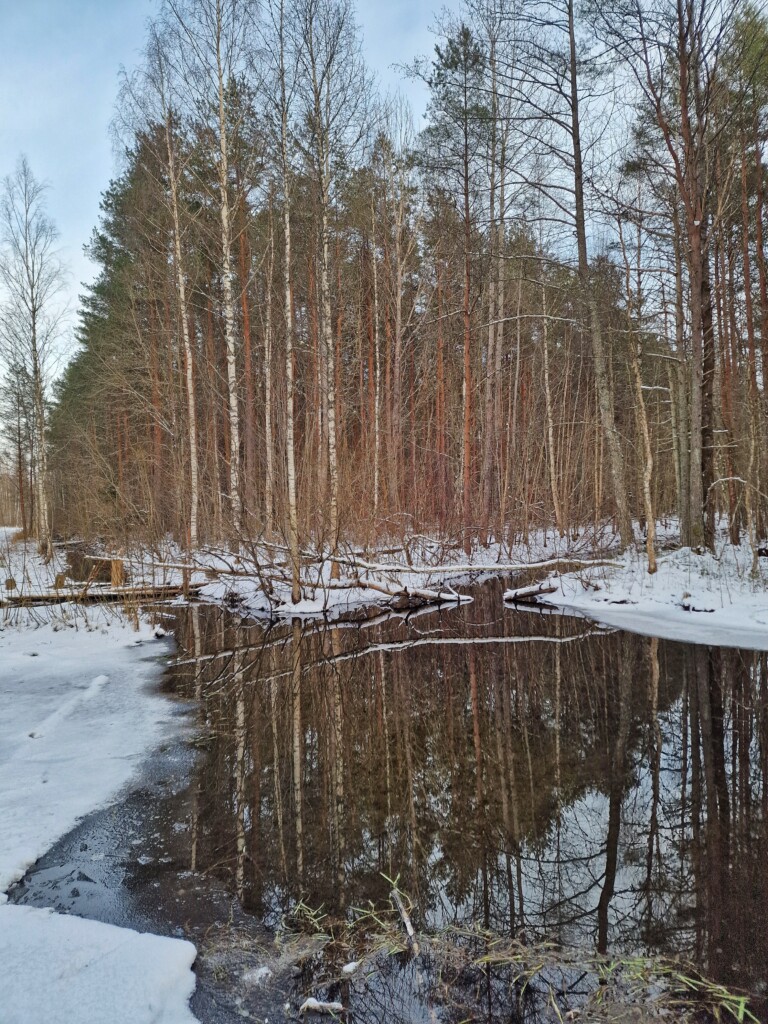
[550, 419]
[189, 374]
[269, 479]
[290, 400]
[228, 295]
[376, 369]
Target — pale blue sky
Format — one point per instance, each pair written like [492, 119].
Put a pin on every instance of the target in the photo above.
[59, 62]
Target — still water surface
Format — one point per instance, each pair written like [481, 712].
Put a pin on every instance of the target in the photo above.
[521, 771]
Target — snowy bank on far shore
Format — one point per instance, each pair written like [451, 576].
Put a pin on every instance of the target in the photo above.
[256, 580]
[77, 716]
[698, 598]
[422, 570]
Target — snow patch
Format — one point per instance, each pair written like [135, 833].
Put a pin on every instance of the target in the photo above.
[76, 717]
[709, 598]
[65, 970]
[74, 723]
[313, 1005]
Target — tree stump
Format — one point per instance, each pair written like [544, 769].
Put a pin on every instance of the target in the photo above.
[117, 572]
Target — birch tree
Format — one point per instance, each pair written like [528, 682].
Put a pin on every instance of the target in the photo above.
[149, 99]
[215, 40]
[31, 313]
[334, 90]
[279, 92]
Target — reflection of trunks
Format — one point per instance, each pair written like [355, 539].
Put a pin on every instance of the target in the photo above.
[510, 769]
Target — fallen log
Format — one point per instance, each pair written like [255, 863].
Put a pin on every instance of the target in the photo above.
[529, 594]
[395, 591]
[211, 571]
[492, 568]
[96, 596]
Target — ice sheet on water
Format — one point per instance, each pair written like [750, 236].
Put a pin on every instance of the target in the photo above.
[76, 717]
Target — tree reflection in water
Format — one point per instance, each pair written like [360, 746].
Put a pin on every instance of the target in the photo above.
[514, 770]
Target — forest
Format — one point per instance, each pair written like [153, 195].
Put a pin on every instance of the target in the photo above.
[315, 323]
[384, 535]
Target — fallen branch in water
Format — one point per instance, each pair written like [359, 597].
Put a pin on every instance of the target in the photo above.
[410, 931]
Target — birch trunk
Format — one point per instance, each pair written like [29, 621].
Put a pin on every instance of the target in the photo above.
[377, 369]
[189, 375]
[634, 310]
[290, 444]
[683, 405]
[550, 425]
[321, 75]
[326, 334]
[269, 477]
[44, 539]
[228, 296]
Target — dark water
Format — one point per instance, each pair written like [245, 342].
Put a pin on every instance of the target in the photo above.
[529, 774]
[519, 771]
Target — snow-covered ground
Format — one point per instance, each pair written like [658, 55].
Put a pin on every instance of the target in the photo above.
[58, 969]
[257, 579]
[77, 716]
[22, 571]
[699, 598]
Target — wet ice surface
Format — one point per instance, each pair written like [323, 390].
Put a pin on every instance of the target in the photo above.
[129, 865]
[79, 712]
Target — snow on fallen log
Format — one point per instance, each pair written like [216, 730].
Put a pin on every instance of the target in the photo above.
[491, 567]
[529, 594]
[393, 590]
[95, 595]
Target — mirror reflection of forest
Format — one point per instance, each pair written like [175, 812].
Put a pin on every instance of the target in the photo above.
[514, 770]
